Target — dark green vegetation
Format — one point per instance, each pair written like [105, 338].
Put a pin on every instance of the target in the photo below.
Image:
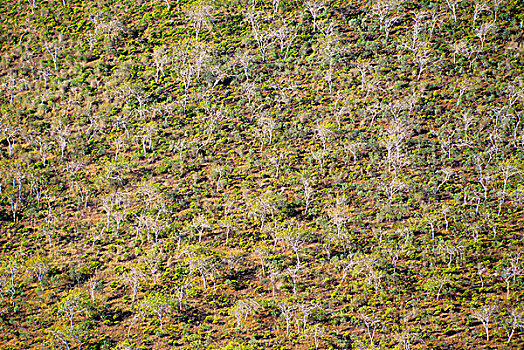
[261, 174]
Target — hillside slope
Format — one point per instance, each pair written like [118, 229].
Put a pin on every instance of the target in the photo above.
[261, 174]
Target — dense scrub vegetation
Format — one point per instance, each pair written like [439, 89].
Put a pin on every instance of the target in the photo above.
[262, 174]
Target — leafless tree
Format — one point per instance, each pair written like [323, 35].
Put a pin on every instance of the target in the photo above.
[11, 85]
[507, 170]
[96, 125]
[10, 131]
[44, 73]
[452, 5]
[91, 40]
[338, 215]
[277, 160]
[93, 283]
[211, 123]
[146, 135]
[480, 271]
[371, 322]
[133, 278]
[413, 40]
[307, 182]
[242, 309]
[394, 251]
[513, 320]
[59, 337]
[181, 292]
[262, 207]
[151, 225]
[180, 146]
[200, 14]
[38, 266]
[266, 127]
[392, 188]
[47, 232]
[233, 260]
[54, 48]
[323, 132]
[480, 6]
[119, 143]
[510, 270]
[330, 47]
[203, 265]
[200, 224]
[447, 173]
[484, 178]
[274, 275]
[10, 268]
[458, 47]
[264, 39]
[294, 235]
[446, 139]
[14, 191]
[152, 261]
[317, 333]
[467, 50]
[507, 274]
[437, 283]
[61, 133]
[353, 148]
[262, 252]
[315, 7]
[407, 338]
[154, 304]
[148, 193]
[44, 148]
[381, 9]
[287, 311]
[484, 315]
[285, 36]
[497, 5]
[372, 274]
[228, 223]
[82, 192]
[305, 309]
[294, 274]
[32, 3]
[327, 28]
[107, 205]
[244, 59]
[161, 58]
[320, 157]
[249, 90]
[468, 119]
[393, 140]
[107, 26]
[191, 59]
[452, 250]
[198, 146]
[423, 57]
[483, 31]
[72, 304]
[389, 24]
